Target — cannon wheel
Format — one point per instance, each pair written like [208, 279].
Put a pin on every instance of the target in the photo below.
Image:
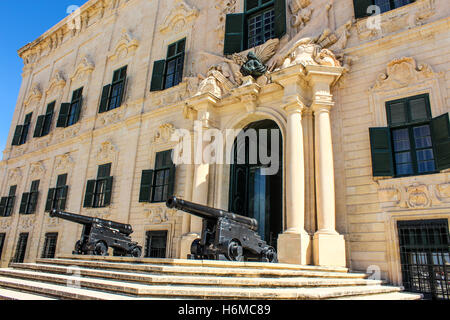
[235, 251]
[196, 249]
[78, 247]
[101, 249]
[136, 252]
[270, 255]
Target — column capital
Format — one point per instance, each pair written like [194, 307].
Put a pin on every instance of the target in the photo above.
[202, 108]
[293, 104]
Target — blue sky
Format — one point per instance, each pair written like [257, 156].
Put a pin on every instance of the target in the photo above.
[22, 22]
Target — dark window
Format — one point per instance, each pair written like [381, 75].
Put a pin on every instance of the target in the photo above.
[49, 249]
[21, 248]
[98, 192]
[261, 21]
[69, 113]
[44, 122]
[413, 143]
[2, 242]
[156, 242]
[157, 185]
[425, 257]
[169, 73]
[112, 94]
[361, 6]
[7, 203]
[57, 197]
[29, 199]
[21, 132]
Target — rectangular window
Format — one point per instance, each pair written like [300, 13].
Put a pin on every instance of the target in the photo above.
[29, 199]
[21, 132]
[48, 118]
[21, 248]
[261, 27]
[362, 6]
[99, 191]
[7, 203]
[156, 243]
[112, 94]
[409, 122]
[57, 197]
[49, 249]
[2, 242]
[69, 113]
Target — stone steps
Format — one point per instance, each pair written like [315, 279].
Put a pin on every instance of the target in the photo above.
[114, 278]
[384, 296]
[8, 294]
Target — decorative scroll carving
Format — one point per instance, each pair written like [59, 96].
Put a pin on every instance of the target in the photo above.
[224, 7]
[26, 222]
[34, 94]
[5, 224]
[127, 44]
[301, 14]
[85, 66]
[112, 116]
[179, 17]
[57, 82]
[158, 215]
[62, 134]
[401, 73]
[107, 152]
[14, 176]
[37, 170]
[63, 163]
[163, 133]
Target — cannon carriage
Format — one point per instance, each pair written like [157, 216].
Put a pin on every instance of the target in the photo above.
[225, 234]
[98, 235]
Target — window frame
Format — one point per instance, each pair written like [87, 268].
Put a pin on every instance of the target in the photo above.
[30, 206]
[410, 125]
[48, 119]
[148, 236]
[166, 167]
[75, 107]
[10, 200]
[2, 243]
[47, 245]
[177, 57]
[22, 241]
[259, 10]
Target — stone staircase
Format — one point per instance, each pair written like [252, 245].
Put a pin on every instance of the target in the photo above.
[119, 278]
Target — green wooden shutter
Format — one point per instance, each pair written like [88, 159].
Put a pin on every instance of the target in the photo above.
[105, 98]
[62, 205]
[24, 202]
[104, 170]
[171, 187]
[108, 191]
[234, 33]
[158, 75]
[441, 140]
[3, 206]
[382, 159]
[89, 195]
[361, 7]
[33, 202]
[50, 199]
[17, 135]
[146, 186]
[124, 91]
[78, 111]
[63, 115]
[280, 18]
[39, 126]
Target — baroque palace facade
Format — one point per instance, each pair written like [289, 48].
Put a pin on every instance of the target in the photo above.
[361, 103]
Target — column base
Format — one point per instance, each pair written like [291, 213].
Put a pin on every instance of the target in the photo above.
[185, 244]
[294, 248]
[329, 249]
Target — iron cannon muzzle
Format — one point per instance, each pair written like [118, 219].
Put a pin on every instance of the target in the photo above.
[171, 202]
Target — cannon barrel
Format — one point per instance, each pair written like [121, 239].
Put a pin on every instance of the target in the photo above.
[209, 213]
[123, 228]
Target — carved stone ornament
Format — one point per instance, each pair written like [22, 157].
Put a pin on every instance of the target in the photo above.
[35, 94]
[224, 7]
[5, 224]
[26, 222]
[401, 73]
[164, 133]
[63, 163]
[57, 82]
[107, 152]
[14, 176]
[62, 134]
[301, 14]
[112, 116]
[85, 66]
[37, 170]
[158, 215]
[127, 44]
[181, 14]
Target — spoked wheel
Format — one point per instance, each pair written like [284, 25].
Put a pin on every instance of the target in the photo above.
[77, 247]
[235, 251]
[197, 249]
[270, 255]
[136, 252]
[101, 249]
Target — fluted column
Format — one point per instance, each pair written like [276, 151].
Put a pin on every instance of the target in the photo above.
[328, 245]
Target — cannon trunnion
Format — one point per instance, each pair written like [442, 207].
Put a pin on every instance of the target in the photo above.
[98, 235]
[225, 234]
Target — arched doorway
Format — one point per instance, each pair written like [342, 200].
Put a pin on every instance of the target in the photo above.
[252, 192]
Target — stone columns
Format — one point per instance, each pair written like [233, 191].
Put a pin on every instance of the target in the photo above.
[294, 243]
[204, 107]
[328, 245]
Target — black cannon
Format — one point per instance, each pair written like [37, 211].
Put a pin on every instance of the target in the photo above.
[98, 235]
[225, 234]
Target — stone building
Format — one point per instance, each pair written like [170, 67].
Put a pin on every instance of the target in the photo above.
[361, 103]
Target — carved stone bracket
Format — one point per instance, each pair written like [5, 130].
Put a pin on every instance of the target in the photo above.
[126, 45]
[181, 14]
